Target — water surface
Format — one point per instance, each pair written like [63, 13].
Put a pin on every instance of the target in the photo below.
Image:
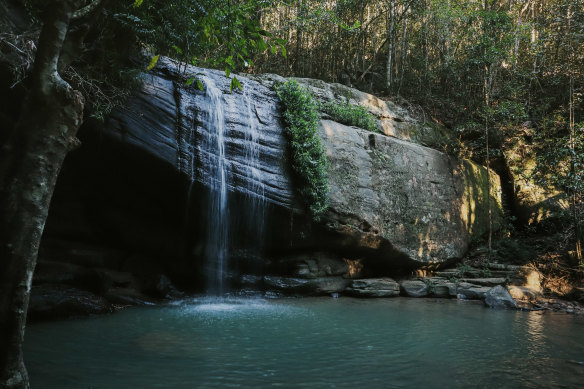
[310, 343]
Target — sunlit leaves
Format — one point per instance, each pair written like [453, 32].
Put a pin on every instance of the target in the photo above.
[235, 84]
[153, 62]
[212, 33]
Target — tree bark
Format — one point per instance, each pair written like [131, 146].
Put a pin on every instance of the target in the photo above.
[30, 161]
[389, 69]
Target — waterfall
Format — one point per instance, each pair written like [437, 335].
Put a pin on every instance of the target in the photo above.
[255, 213]
[228, 162]
[213, 158]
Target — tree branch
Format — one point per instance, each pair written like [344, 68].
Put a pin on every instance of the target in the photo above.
[89, 8]
[56, 23]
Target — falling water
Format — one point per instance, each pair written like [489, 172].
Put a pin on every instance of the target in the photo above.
[230, 227]
[255, 181]
[213, 148]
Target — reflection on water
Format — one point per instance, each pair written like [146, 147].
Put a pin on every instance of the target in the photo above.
[312, 343]
[535, 331]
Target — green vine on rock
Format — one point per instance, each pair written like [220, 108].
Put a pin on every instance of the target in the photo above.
[309, 161]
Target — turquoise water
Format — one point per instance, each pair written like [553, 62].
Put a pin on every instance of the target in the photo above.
[309, 343]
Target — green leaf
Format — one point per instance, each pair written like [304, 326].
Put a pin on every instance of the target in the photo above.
[177, 49]
[227, 71]
[284, 53]
[138, 3]
[273, 49]
[190, 81]
[200, 85]
[234, 84]
[229, 61]
[262, 46]
[153, 62]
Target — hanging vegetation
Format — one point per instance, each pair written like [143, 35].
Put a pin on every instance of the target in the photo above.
[308, 156]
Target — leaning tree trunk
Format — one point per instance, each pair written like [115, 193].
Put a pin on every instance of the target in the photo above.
[30, 161]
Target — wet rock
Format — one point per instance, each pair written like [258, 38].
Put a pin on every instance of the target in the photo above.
[440, 287]
[414, 288]
[122, 297]
[251, 281]
[317, 265]
[314, 286]
[374, 287]
[61, 301]
[166, 288]
[499, 297]
[160, 286]
[465, 290]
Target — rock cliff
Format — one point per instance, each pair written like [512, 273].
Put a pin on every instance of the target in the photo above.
[139, 186]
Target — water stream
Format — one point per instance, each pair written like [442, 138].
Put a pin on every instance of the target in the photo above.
[228, 150]
[310, 343]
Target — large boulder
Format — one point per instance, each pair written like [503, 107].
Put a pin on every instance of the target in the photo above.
[425, 204]
[140, 185]
[415, 288]
[499, 297]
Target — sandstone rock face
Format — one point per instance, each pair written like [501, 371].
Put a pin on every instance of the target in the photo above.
[170, 120]
[427, 205]
[392, 120]
[139, 187]
[385, 192]
[374, 287]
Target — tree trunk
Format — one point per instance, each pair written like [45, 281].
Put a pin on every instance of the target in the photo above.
[573, 159]
[404, 51]
[30, 161]
[487, 82]
[299, 28]
[389, 69]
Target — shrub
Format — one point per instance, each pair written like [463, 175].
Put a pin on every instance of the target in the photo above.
[309, 161]
[352, 115]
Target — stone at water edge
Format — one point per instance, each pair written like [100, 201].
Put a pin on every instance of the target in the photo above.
[414, 288]
[465, 290]
[306, 286]
[374, 287]
[499, 297]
